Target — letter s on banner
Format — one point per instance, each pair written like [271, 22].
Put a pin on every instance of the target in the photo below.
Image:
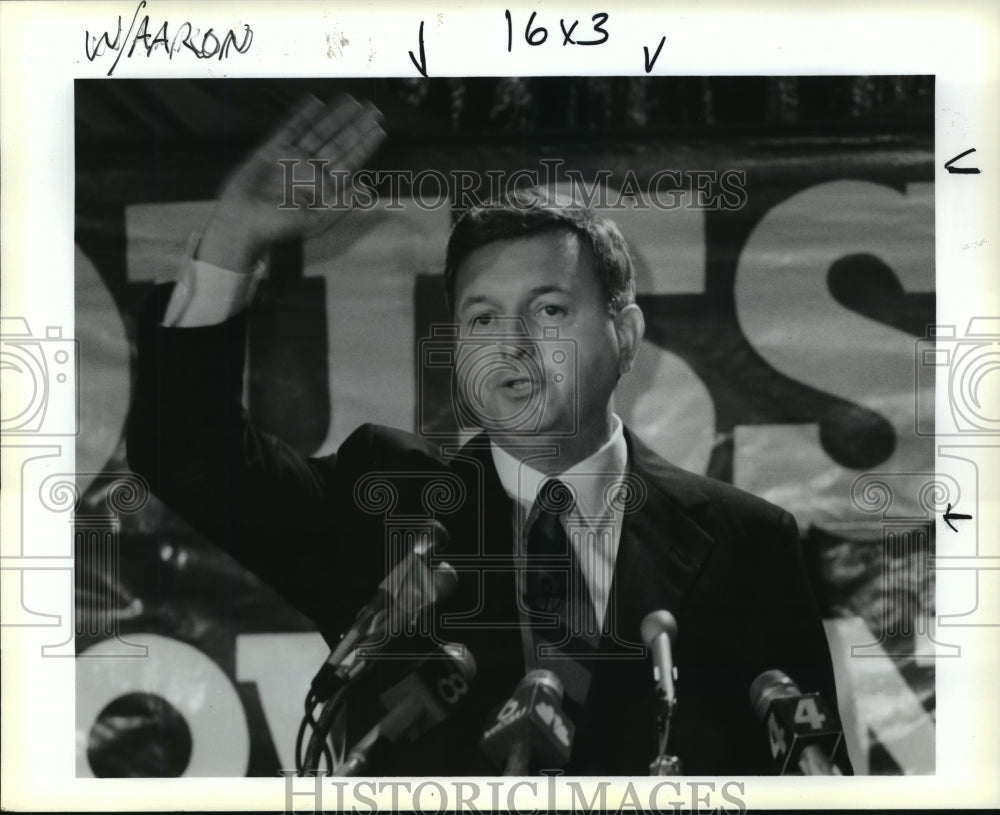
[183, 676]
[788, 314]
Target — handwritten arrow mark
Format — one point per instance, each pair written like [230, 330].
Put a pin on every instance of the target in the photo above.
[651, 62]
[422, 64]
[950, 516]
[949, 165]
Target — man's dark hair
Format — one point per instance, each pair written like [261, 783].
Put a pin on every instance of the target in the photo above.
[532, 211]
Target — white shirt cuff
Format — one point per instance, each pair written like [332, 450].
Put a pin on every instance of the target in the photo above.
[207, 294]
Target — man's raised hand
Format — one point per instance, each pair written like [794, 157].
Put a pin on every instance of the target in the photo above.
[253, 206]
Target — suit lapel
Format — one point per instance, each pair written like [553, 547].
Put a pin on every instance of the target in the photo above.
[662, 548]
[487, 514]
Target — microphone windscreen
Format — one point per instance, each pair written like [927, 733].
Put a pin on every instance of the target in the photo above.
[769, 686]
[442, 540]
[542, 678]
[461, 658]
[656, 623]
[435, 540]
[445, 581]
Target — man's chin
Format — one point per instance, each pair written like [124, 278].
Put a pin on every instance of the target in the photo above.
[521, 435]
[525, 423]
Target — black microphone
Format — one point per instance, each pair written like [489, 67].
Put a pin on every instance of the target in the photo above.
[405, 593]
[422, 699]
[659, 630]
[804, 733]
[530, 731]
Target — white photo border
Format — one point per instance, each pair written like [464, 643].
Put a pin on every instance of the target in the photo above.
[43, 51]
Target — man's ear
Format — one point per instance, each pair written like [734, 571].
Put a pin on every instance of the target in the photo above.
[630, 325]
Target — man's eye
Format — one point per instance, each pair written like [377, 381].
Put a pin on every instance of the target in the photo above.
[481, 320]
[551, 310]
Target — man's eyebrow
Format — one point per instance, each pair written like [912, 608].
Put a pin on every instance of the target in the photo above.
[548, 289]
[476, 299]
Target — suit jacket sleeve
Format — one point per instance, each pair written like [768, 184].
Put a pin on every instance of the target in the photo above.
[189, 435]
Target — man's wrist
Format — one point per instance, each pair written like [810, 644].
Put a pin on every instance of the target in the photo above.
[206, 293]
[229, 245]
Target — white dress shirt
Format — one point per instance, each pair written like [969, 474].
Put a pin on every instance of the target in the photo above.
[594, 524]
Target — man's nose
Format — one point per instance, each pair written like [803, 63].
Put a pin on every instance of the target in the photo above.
[513, 337]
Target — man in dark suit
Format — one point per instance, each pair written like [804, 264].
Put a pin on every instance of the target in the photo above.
[542, 295]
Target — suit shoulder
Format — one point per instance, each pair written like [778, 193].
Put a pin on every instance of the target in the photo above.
[743, 524]
[724, 494]
[379, 445]
[709, 498]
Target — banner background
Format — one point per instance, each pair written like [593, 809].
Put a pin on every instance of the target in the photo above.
[780, 355]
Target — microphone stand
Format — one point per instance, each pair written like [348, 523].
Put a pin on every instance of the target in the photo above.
[391, 727]
[664, 763]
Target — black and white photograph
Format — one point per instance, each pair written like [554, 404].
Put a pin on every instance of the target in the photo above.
[399, 315]
[575, 428]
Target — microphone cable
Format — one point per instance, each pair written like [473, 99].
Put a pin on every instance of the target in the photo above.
[320, 730]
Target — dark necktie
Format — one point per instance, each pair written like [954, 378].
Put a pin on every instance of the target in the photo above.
[563, 627]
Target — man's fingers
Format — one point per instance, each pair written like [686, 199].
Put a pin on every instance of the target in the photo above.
[341, 113]
[345, 142]
[304, 115]
[344, 133]
[333, 129]
[363, 147]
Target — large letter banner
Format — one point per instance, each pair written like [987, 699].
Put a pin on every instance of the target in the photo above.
[786, 279]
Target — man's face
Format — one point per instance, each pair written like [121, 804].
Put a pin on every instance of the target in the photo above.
[526, 307]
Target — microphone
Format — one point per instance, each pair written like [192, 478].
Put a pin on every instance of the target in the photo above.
[410, 588]
[398, 622]
[659, 630]
[422, 699]
[802, 730]
[530, 729]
